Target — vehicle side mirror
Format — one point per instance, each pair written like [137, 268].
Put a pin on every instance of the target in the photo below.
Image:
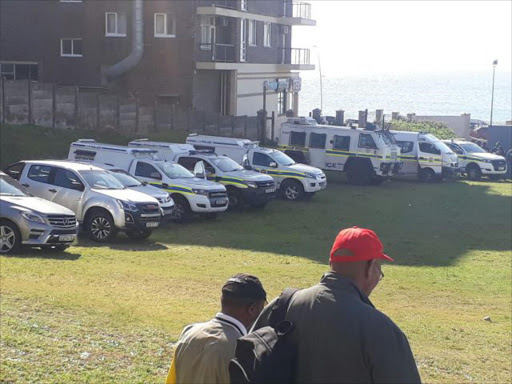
[273, 164]
[245, 163]
[199, 170]
[144, 183]
[78, 186]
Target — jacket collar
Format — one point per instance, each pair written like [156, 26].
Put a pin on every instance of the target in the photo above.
[226, 319]
[335, 281]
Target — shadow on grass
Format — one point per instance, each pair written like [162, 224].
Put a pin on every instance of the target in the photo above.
[419, 224]
[122, 243]
[35, 253]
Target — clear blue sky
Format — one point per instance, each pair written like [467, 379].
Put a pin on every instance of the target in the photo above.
[371, 37]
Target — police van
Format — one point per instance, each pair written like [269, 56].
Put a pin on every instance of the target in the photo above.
[294, 181]
[243, 186]
[367, 156]
[424, 156]
[190, 194]
[475, 162]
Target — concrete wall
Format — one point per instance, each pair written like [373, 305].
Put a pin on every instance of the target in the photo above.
[460, 124]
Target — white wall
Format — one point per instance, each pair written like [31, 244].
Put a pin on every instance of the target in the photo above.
[459, 124]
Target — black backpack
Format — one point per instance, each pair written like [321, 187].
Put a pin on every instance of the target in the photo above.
[267, 355]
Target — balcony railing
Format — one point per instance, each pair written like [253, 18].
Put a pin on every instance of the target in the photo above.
[209, 52]
[295, 56]
[302, 10]
[231, 4]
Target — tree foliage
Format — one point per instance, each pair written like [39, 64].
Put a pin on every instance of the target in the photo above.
[439, 130]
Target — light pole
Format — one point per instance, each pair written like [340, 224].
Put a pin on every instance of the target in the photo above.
[494, 64]
[320, 70]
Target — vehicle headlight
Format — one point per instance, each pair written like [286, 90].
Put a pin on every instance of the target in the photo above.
[203, 192]
[488, 161]
[251, 184]
[31, 216]
[127, 206]
[312, 175]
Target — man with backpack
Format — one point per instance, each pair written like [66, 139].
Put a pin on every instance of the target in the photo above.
[204, 350]
[335, 331]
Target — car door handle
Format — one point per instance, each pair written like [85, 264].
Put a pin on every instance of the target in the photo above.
[53, 190]
[26, 185]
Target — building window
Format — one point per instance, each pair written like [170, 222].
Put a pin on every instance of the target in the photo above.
[115, 24]
[243, 5]
[165, 25]
[19, 71]
[70, 1]
[267, 34]
[282, 104]
[252, 32]
[207, 33]
[71, 47]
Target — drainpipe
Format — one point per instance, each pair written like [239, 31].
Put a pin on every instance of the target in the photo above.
[135, 56]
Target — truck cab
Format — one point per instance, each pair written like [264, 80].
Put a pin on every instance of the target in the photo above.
[191, 195]
[475, 162]
[294, 181]
[243, 186]
[367, 156]
[425, 157]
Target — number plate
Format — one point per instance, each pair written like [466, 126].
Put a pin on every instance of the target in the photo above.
[152, 225]
[270, 190]
[66, 238]
[221, 202]
[167, 211]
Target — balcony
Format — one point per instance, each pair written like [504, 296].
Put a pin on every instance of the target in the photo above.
[302, 10]
[294, 56]
[220, 53]
[229, 4]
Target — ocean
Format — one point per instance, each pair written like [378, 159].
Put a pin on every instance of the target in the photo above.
[423, 94]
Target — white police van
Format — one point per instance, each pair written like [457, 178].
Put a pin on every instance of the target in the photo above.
[367, 156]
[294, 181]
[243, 186]
[190, 194]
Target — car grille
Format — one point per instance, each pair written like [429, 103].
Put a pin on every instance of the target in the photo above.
[217, 194]
[148, 211]
[498, 163]
[266, 184]
[62, 221]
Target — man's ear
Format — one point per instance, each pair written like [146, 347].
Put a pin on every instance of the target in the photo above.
[368, 267]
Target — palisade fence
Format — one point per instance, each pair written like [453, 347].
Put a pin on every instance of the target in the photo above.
[50, 105]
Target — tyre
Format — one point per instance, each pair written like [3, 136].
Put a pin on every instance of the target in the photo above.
[473, 172]
[292, 190]
[100, 226]
[10, 237]
[181, 211]
[137, 234]
[360, 173]
[427, 175]
[234, 198]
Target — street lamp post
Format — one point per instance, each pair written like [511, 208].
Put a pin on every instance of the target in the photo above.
[494, 64]
[320, 70]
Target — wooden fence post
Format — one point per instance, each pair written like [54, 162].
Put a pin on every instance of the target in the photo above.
[29, 89]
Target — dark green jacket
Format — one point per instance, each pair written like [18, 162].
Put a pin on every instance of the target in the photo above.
[342, 338]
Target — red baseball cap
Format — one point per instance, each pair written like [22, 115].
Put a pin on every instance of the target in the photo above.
[356, 244]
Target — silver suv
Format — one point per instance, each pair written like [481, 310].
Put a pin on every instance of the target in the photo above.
[101, 203]
[31, 221]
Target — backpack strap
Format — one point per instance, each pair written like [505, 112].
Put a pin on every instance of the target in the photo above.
[280, 307]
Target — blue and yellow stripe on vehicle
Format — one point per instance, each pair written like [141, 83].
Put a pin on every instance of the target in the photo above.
[463, 157]
[237, 182]
[339, 153]
[173, 188]
[283, 174]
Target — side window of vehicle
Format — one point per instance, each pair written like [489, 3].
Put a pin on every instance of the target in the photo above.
[405, 146]
[81, 154]
[188, 162]
[261, 159]
[147, 170]
[15, 170]
[209, 168]
[40, 173]
[341, 143]
[317, 140]
[429, 148]
[298, 138]
[456, 149]
[366, 141]
[67, 179]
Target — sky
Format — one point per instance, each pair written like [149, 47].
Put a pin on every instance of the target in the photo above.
[372, 37]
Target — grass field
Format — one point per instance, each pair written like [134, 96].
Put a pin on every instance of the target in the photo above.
[111, 313]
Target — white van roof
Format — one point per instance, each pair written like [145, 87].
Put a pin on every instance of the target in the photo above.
[302, 120]
[90, 143]
[217, 140]
[174, 147]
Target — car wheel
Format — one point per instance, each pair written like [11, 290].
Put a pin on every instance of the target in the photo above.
[101, 227]
[10, 237]
[427, 175]
[234, 198]
[181, 211]
[292, 190]
[474, 173]
[136, 234]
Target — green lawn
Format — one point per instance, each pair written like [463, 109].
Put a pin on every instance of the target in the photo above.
[111, 313]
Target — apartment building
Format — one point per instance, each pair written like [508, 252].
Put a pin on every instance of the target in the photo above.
[232, 57]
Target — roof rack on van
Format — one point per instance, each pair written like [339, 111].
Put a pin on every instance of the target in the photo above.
[143, 139]
[209, 151]
[193, 134]
[86, 140]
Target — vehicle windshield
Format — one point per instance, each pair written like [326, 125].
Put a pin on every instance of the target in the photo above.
[282, 159]
[10, 187]
[387, 137]
[125, 178]
[101, 180]
[472, 148]
[175, 171]
[225, 164]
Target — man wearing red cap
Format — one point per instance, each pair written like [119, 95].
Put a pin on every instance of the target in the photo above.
[339, 335]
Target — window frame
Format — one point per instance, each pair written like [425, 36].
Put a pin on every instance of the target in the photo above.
[267, 35]
[166, 34]
[367, 134]
[48, 181]
[262, 154]
[243, 5]
[303, 145]
[317, 134]
[253, 33]
[116, 33]
[334, 138]
[282, 102]
[145, 164]
[409, 143]
[424, 143]
[72, 54]
[79, 187]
